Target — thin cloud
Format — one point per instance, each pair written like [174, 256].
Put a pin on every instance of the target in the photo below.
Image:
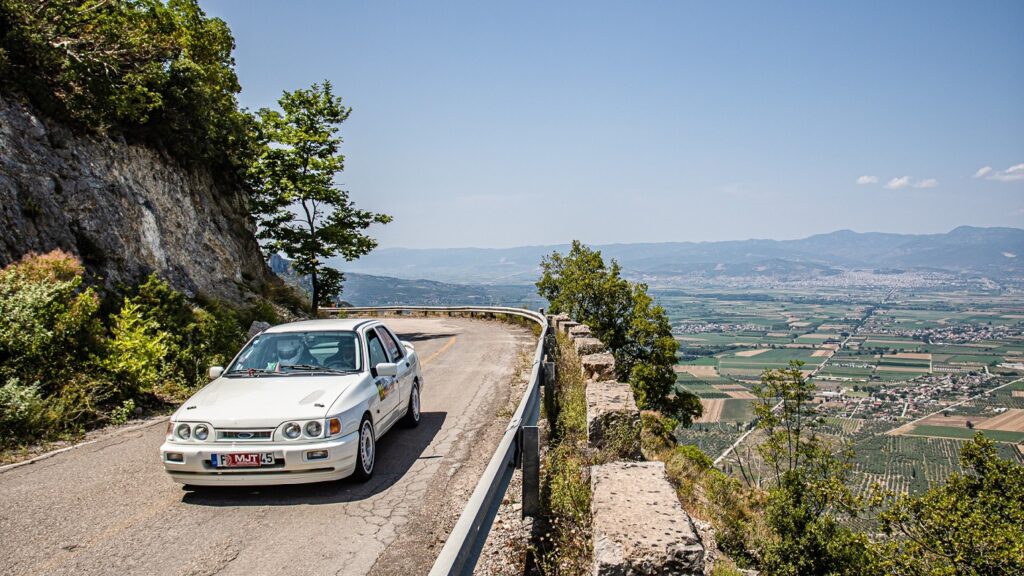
[908, 182]
[1012, 174]
[898, 183]
[865, 179]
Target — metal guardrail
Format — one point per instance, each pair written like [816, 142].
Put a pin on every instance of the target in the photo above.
[462, 548]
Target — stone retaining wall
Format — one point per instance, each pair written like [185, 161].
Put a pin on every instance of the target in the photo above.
[639, 525]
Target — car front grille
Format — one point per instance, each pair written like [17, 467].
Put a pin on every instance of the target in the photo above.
[244, 435]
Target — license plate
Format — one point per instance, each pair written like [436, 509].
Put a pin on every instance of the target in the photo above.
[244, 460]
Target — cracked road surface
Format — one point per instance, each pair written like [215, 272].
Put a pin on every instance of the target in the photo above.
[108, 507]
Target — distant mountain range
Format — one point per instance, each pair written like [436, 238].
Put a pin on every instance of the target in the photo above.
[989, 252]
[368, 290]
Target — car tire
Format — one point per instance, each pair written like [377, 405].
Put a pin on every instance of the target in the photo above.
[366, 451]
[412, 412]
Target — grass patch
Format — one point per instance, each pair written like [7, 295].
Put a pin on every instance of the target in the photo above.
[563, 543]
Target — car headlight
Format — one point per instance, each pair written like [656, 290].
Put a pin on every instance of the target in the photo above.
[202, 432]
[292, 430]
[183, 431]
[313, 428]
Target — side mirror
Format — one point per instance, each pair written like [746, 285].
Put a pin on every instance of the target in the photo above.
[386, 369]
[215, 372]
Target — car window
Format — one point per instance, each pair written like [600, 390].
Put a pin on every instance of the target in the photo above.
[376, 348]
[390, 344]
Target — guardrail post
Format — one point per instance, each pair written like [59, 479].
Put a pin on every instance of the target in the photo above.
[550, 378]
[531, 471]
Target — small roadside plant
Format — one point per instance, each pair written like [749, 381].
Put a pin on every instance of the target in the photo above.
[122, 413]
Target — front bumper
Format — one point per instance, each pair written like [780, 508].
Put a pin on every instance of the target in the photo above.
[291, 463]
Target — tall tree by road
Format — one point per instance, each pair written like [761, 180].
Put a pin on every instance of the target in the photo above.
[626, 319]
[300, 210]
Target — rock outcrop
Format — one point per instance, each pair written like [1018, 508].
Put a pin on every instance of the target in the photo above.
[613, 418]
[126, 210]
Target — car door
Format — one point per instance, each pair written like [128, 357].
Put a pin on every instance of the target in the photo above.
[397, 354]
[387, 386]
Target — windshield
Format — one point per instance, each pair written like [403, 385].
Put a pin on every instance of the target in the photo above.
[292, 352]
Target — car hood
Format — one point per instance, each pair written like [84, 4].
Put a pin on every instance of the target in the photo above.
[264, 401]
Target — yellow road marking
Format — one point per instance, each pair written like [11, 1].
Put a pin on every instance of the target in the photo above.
[443, 349]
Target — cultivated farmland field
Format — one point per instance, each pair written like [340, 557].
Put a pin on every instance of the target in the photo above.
[879, 359]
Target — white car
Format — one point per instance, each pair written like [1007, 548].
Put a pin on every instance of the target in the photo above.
[302, 402]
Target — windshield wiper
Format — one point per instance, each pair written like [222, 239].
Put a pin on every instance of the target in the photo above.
[249, 372]
[312, 368]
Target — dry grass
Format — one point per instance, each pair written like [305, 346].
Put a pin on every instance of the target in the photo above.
[749, 353]
[712, 410]
[940, 420]
[1010, 421]
[698, 370]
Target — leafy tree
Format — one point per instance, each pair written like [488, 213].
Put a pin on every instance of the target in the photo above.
[624, 317]
[807, 491]
[159, 71]
[300, 210]
[971, 525]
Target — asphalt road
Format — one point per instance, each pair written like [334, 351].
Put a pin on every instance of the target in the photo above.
[108, 507]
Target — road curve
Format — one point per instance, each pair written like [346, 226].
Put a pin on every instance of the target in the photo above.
[108, 507]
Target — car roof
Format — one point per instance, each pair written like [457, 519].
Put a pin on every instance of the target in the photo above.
[325, 324]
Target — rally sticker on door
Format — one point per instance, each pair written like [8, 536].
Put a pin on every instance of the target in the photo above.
[385, 386]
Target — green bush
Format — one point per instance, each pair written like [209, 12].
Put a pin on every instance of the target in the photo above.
[50, 326]
[22, 412]
[724, 567]
[194, 337]
[657, 436]
[136, 353]
[62, 372]
[122, 413]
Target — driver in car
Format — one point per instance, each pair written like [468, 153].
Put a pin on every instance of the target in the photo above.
[291, 351]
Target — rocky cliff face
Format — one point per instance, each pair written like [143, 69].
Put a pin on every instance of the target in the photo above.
[125, 210]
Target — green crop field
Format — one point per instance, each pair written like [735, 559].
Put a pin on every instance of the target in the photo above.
[846, 372]
[974, 359]
[702, 361]
[964, 433]
[737, 410]
[904, 362]
[898, 376]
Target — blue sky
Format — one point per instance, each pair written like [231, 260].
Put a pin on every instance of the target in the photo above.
[495, 125]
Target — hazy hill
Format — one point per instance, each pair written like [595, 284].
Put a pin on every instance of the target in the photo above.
[995, 252]
[368, 290]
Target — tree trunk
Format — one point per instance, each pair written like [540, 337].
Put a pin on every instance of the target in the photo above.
[316, 293]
